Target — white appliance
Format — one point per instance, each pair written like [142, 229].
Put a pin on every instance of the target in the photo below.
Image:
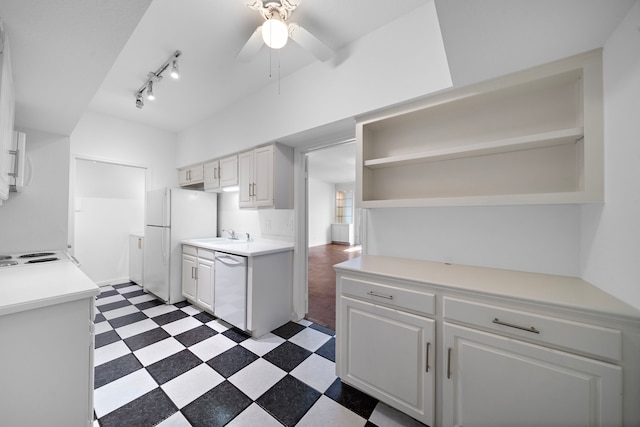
[231, 289]
[33, 258]
[19, 153]
[173, 215]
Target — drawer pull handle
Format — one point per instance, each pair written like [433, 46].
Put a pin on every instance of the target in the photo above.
[511, 325]
[427, 363]
[375, 294]
[449, 363]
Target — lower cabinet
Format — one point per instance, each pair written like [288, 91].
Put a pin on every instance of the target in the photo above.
[490, 380]
[452, 356]
[389, 354]
[197, 276]
[205, 279]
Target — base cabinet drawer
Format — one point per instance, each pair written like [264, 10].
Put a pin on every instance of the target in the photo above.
[387, 294]
[574, 336]
[490, 380]
[390, 355]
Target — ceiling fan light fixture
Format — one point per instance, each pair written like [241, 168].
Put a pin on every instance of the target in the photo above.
[275, 32]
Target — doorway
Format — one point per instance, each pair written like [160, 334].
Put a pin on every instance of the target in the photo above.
[108, 206]
[329, 207]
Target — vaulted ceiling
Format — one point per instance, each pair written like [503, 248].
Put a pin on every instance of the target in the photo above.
[70, 56]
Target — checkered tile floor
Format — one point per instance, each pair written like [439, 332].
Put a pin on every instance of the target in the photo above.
[174, 365]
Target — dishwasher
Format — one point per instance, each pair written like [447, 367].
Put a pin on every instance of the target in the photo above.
[230, 290]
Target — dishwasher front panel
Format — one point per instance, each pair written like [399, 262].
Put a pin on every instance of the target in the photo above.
[230, 289]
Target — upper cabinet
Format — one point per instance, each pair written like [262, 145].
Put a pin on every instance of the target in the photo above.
[191, 175]
[265, 177]
[221, 173]
[532, 137]
[7, 104]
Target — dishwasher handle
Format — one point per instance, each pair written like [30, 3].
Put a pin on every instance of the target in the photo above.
[228, 260]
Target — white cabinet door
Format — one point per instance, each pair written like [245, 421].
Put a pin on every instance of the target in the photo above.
[389, 354]
[263, 176]
[205, 278]
[189, 267]
[490, 380]
[212, 175]
[229, 171]
[245, 179]
[135, 259]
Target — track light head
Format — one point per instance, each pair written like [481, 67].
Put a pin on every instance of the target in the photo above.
[150, 95]
[175, 72]
[139, 101]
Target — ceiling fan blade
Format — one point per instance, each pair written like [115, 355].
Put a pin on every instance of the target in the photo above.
[290, 5]
[252, 46]
[310, 42]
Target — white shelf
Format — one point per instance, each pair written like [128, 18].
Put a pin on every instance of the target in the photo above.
[531, 137]
[527, 142]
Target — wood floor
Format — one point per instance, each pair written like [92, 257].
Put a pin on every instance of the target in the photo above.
[322, 281]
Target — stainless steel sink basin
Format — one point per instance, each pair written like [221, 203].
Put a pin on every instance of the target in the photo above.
[219, 240]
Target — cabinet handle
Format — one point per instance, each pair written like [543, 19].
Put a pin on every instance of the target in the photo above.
[139, 243]
[427, 363]
[192, 273]
[375, 294]
[196, 270]
[215, 173]
[511, 325]
[449, 363]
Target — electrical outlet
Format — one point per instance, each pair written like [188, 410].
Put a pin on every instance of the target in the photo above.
[267, 225]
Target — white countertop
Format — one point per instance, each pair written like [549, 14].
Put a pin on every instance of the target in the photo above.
[244, 248]
[561, 291]
[40, 285]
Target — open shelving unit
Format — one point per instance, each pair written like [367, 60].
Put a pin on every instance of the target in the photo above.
[531, 137]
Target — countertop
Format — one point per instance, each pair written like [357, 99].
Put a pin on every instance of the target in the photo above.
[244, 248]
[28, 287]
[560, 291]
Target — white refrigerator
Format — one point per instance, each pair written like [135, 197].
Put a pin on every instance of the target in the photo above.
[172, 215]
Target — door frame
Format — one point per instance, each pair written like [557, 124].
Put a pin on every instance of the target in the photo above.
[301, 232]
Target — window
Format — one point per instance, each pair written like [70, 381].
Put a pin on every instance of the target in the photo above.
[344, 207]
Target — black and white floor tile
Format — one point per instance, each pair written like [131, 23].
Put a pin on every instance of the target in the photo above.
[177, 366]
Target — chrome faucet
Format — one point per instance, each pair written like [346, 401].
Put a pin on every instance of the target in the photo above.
[232, 234]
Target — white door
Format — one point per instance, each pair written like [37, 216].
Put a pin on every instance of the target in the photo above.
[263, 176]
[490, 380]
[189, 266]
[245, 179]
[389, 354]
[156, 261]
[211, 175]
[204, 293]
[158, 208]
[229, 171]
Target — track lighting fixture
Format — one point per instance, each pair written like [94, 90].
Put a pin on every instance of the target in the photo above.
[156, 76]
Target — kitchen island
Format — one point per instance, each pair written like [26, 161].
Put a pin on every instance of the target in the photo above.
[256, 301]
[46, 330]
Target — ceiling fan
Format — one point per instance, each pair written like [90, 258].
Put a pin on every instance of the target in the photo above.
[275, 31]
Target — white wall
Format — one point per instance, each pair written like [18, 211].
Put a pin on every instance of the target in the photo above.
[109, 205]
[488, 39]
[36, 219]
[541, 239]
[107, 138]
[401, 60]
[611, 233]
[321, 211]
[259, 223]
